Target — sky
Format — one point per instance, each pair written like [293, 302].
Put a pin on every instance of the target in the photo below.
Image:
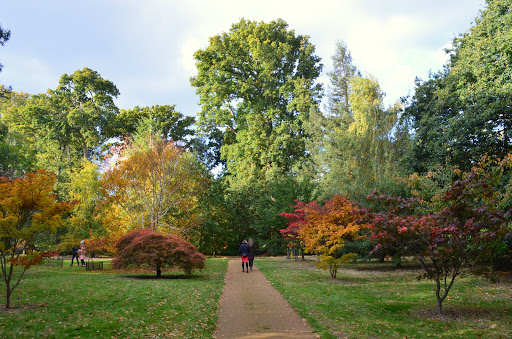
[146, 47]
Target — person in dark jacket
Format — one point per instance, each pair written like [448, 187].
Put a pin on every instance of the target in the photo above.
[75, 255]
[251, 253]
[244, 252]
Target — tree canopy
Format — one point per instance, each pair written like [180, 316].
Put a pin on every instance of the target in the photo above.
[354, 144]
[171, 123]
[149, 179]
[256, 84]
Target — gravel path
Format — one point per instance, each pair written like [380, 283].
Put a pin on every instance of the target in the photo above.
[251, 308]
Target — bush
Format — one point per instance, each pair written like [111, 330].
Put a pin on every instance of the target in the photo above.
[145, 247]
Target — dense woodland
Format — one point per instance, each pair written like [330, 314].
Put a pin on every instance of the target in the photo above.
[263, 152]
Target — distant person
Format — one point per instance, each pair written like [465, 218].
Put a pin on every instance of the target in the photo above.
[82, 253]
[75, 255]
[244, 252]
[251, 253]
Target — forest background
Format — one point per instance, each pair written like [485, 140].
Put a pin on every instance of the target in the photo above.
[262, 139]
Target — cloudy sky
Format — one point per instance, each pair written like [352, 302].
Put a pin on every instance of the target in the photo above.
[146, 47]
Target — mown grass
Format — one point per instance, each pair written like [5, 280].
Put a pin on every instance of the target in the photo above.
[70, 302]
[375, 300]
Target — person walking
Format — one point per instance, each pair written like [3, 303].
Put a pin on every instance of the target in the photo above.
[251, 253]
[244, 252]
[82, 253]
[75, 255]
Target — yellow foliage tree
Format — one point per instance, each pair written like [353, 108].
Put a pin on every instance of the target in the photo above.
[151, 182]
[326, 230]
[27, 208]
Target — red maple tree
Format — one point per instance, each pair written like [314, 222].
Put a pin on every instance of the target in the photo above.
[296, 221]
[146, 247]
[465, 232]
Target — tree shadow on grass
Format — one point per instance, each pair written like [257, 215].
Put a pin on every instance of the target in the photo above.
[20, 308]
[163, 277]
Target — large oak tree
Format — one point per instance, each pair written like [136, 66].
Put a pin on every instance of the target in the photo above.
[256, 83]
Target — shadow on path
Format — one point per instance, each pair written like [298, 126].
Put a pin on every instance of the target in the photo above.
[251, 308]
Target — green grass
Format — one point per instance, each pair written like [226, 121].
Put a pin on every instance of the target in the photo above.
[71, 302]
[374, 300]
[366, 300]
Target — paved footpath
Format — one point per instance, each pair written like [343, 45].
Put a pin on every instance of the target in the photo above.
[251, 308]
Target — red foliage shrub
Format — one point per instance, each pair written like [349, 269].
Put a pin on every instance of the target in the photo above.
[467, 232]
[297, 221]
[145, 247]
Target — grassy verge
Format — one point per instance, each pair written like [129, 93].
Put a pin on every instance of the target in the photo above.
[374, 300]
[70, 302]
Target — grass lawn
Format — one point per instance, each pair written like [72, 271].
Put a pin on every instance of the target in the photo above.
[70, 302]
[375, 300]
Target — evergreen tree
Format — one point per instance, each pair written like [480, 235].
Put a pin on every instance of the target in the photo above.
[352, 145]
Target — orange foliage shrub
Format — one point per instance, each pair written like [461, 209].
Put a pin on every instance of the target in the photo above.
[27, 208]
[329, 226]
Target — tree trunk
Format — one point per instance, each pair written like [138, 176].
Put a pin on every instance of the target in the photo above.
[439, 299]
[158, 272]
[439, 306]
[333, 272]
[8, 293]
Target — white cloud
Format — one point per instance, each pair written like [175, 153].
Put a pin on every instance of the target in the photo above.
[146, 48]
[188, 47]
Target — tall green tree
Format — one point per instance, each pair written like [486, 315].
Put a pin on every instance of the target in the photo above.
[77, 117]
[322, 128]
[65, 125]
[364, 149]
[86, 101]
[353, 148]
[464, 111]
[339, 90]
[256, 83]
